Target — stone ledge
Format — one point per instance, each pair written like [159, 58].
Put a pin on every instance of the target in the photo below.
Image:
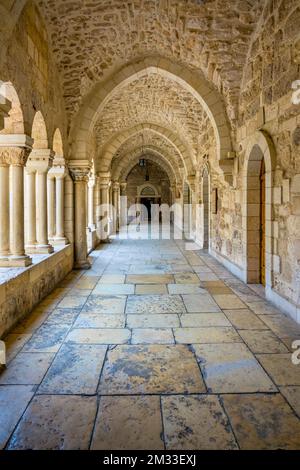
[21, 289]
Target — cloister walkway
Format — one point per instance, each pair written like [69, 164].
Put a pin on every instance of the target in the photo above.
[156, 347]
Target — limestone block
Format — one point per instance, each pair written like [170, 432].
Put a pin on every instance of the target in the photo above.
[286, 190]
[295, 186]
[277, 195]
[276, 264]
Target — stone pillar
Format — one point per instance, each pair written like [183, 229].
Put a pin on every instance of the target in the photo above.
[79, 170]
[123, 205]
[91, 220]
[51, 205]
[58, 174]
[14, 151]
[104, 206]
[31, 208]
[41, 161]
[4, 208]
[116, 196]
[97, 207]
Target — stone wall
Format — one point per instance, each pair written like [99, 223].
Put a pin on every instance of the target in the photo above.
[25, 288]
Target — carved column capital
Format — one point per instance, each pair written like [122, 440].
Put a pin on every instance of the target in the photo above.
[80, 170]
[16, 156]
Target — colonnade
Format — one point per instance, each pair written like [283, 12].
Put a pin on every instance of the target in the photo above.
[35, 174]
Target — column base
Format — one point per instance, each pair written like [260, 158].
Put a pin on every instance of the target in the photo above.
[59, 241]
[16, 262]
[82, 265]
[39, 249]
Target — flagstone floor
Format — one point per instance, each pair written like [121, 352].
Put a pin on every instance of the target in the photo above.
[156, 347]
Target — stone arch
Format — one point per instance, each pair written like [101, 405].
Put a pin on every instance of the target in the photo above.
[114, 145]
[39, 132]
[144, 186]
[14, 122]
[195, 83]
[127, 162]
[57, 144]
[260, 149]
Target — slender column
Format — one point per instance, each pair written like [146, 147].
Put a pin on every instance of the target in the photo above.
[17, 245]
[51, 205]
[91, 220]
[31, 208]
[104, 207]
[60, 204]
[123, 205]
[14, 151]
[41, 161]
[116, 195]
[79, 170]
[4, 208]
[97, 207]
[58, 174]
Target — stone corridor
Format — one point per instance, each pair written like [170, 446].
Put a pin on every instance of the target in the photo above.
[157, 346]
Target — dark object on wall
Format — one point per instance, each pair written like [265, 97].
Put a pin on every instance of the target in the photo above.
[214, 201]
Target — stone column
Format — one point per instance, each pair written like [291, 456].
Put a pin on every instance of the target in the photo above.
[14, 150]
[17, 245]
[79, 170]
[123, 205]
[58, 174]
[31, 208]
[104, 206]
[97, 207]
[91, 220]
[4, 207]
[51, 205]
[116, 195]
[41, 161]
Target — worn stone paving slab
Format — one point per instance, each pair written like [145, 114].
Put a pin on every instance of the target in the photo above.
[292, 395]
[196, 423]
[114, 304]
[280, 368]
[262, 422]
[56, 423]
[206, 335]
[48, 338]
[245, 320]
[64, 316]
[149, 278]
[145, 289]
[13, 402]
[263, 341]
[72, 302]
[26, 369]
[232, 368]
[112, 279]
[113, 289]
[161, 320]
[99, 336]
[152, 336]
[193, 320]
[99, 320]
[263, 308]
[282, 326]
[135, 369]
[154, 304]
[185, 289]
[228, 301]
[186, 278]
[128, 423]
[198, 303]
[75, 370]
